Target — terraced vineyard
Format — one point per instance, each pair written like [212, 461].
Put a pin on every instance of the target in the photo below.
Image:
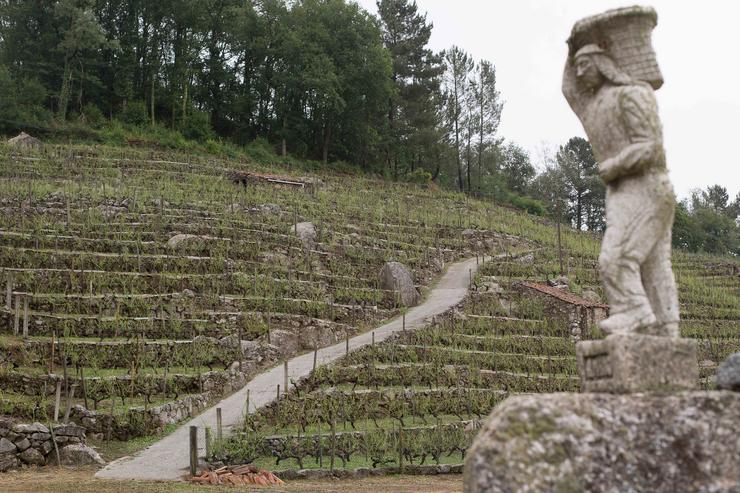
[130, 276]
[420, 396]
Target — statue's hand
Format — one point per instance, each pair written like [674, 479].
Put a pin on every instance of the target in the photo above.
[608, 170]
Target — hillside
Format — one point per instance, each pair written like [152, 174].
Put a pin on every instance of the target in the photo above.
[139, 271]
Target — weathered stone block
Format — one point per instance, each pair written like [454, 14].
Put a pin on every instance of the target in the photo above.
[603, 443]
[728, 373]
[33, 456]
[6, 446]
[23, 444]
[624, 363]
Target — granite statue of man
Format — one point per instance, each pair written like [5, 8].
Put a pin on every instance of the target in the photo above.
[619, 113]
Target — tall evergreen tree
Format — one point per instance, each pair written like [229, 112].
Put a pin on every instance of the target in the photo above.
[459, 65]
[416, 72]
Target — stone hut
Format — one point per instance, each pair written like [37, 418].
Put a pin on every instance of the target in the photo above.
[578, 313]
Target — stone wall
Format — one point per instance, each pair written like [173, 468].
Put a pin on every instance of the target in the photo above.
[34, 444]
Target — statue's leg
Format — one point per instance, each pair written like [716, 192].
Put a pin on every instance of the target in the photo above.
[660, 286]
[629, 239]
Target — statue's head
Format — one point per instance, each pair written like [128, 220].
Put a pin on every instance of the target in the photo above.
[594, 67]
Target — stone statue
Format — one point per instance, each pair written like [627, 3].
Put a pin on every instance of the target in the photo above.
[609, 78]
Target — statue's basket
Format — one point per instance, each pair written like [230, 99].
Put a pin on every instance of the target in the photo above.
[625, 34]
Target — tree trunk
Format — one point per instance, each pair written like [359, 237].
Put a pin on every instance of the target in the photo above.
[64, 91]
[327, 139]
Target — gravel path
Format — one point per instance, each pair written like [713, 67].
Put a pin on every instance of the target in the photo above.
[168, 459]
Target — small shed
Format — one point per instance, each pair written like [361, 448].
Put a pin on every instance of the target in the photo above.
[579, 313]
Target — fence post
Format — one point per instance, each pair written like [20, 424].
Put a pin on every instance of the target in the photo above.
[400, 449]
[208, 442]
[333, 443]
[16, 320]
[57, 400]
[193, 450]
[285, 376]
[25, 317]
[9, 293]
[219, 428]
[70, 396]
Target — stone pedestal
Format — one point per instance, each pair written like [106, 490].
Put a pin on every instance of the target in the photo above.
[685, 442]
[622, 364]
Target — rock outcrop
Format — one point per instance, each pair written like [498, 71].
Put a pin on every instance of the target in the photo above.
[678, 443]
[306, 232]
[394, 276]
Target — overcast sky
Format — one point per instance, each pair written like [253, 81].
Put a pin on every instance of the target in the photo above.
[698, 48]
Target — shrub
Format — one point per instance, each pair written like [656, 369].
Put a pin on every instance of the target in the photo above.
[419, 176]
[134, 113]
[197, 126]
[92, 115]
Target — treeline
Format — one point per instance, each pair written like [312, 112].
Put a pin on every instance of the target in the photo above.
[317, 79]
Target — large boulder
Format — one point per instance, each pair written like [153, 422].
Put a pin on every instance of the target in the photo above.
[679, 443]
[79, 454]
[306, 232]
[25, 141]
[728, 373]
[394, 276]
[287, 343]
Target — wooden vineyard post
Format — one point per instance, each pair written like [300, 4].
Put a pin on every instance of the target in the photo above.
[268, 327]
[208, 442]
[51, 358]
[404, 322]
[193, 450]
[9, 293]
[241, 349]
[346, 344]
[315, 356]
[70, 396]
[247, 404]
[278, 392]
[82, 381]
[320, 444]
[400, 449]
[333, 444]
[470, 278]
[25, 317]
[16, 320]
[372, 341]
[219, 425]
[57, 400]
[285, 376]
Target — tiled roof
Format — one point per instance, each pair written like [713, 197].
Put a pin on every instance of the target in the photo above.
[563, 295]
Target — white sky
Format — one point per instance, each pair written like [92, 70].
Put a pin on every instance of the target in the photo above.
[696, 43]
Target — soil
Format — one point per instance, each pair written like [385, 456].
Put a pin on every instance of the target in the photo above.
[49, 479]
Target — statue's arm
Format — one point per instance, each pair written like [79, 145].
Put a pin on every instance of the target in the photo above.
[638, 114]
[570, 90]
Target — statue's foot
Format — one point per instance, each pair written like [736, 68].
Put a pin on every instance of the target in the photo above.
[669, 329]
[632, 321]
